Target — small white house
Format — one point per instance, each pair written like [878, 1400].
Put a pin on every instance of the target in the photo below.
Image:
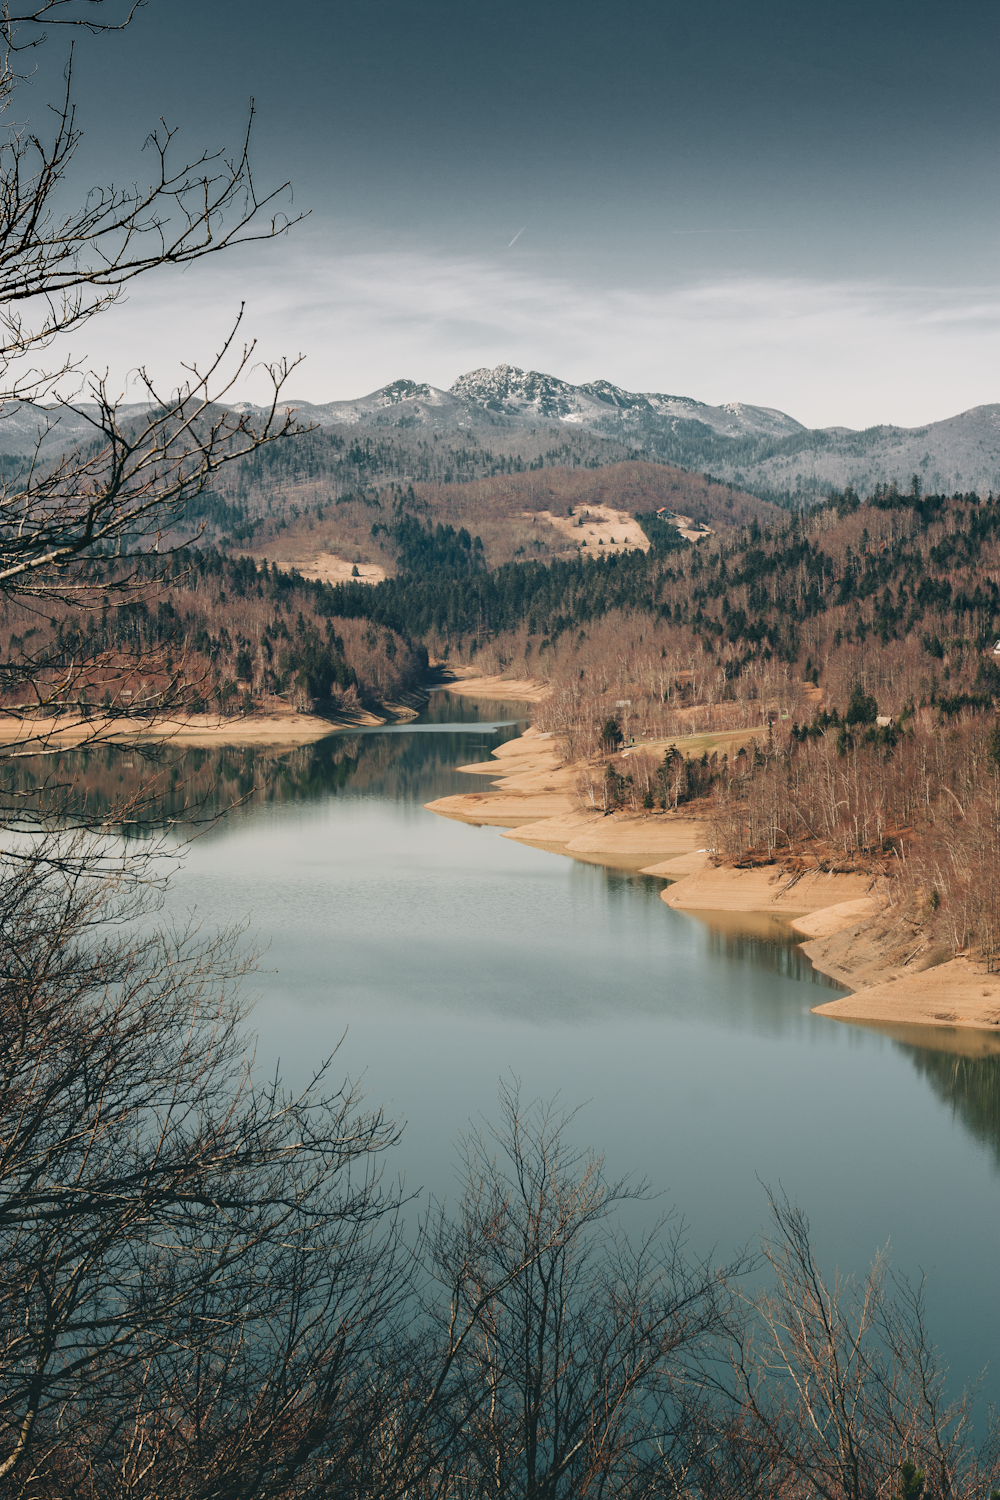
[996, 648]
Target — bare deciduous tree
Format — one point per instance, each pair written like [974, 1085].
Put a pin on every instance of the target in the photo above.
[71, 514]
[196, 1268]
[838, 1385]
[569, 1343]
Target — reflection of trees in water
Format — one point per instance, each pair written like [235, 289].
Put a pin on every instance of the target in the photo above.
[421, 767]
[149, 787]
[399, 767]
[777, 950]
[971, 1085]
[743, 938]
[626, 885]
[447, 708]
[729, 936]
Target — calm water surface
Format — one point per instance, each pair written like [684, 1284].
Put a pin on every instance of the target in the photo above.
[442, 957]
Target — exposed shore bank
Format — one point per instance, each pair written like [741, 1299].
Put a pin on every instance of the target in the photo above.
[843, 917]
[465, 682]
[533, 796]
[854, 937]
[279, 727]
[954, 994]
[702, 886]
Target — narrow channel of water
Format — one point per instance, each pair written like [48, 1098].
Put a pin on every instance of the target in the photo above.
[442, 957]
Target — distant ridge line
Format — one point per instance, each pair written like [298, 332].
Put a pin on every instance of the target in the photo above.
[759, 448]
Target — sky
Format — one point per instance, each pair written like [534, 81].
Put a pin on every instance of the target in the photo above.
[793, 204]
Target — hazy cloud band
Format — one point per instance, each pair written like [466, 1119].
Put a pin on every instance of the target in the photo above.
[828, 352]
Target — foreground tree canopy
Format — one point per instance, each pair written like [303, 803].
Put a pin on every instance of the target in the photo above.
[62, 512]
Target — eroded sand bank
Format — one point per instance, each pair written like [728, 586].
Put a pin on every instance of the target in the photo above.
[531, 783]
[462, 680]
[700, 886]
[621, 842]
[954, 994]
[533, 795]
[196, 730]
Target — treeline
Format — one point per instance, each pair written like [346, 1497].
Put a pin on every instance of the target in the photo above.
[550, 598]
[918, 802]
[876, 744]
[423, 548]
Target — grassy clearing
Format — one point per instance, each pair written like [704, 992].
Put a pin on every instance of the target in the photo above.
[694, 746]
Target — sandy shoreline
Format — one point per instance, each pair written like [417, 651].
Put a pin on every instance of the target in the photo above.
[532, 795]
[276, 725]
[197, 730]
[701, 886]
[954, 995]
[842, 918]
[463, 680]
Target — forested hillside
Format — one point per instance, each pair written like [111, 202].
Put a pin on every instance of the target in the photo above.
[323, 465]
[891, 571]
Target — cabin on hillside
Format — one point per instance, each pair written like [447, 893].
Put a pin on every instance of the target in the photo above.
[996, 648]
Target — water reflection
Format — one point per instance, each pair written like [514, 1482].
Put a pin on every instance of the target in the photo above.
[969, 1085]
[438, 924]
[143, 788]
[766, 942]
[962, 1067]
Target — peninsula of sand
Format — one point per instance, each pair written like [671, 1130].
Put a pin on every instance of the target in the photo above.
[278, 724]
[844, 918]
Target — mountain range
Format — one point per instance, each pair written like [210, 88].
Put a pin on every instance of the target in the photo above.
[758, 448]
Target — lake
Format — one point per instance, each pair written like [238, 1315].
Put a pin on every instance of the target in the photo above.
[443, 957]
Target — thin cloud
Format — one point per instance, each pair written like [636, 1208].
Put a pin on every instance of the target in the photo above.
[830, 352]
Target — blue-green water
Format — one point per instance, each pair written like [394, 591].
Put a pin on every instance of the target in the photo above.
[442, 957]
